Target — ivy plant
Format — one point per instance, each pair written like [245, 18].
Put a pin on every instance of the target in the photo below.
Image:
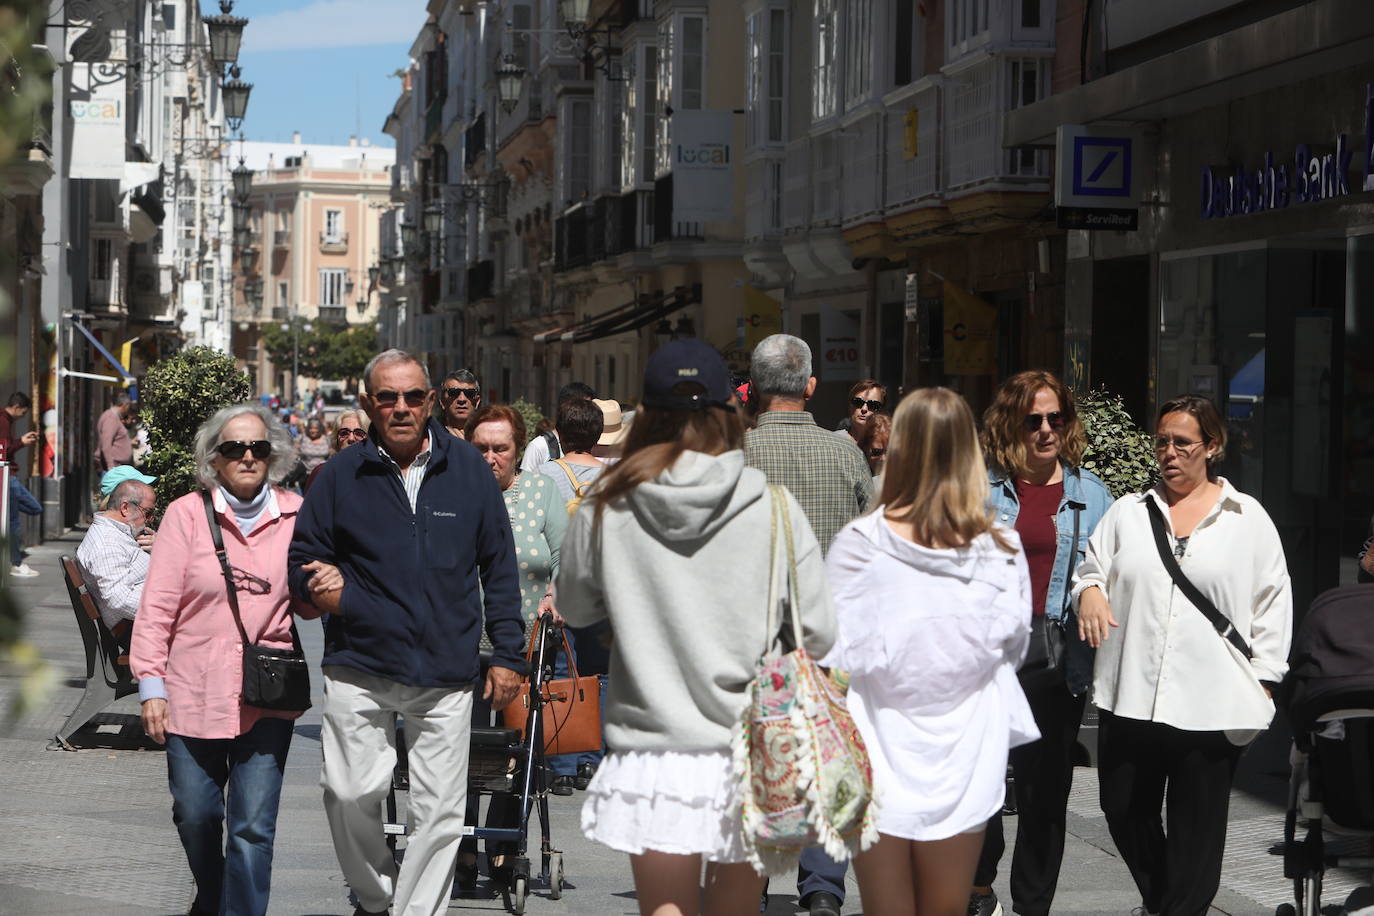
[1119, 451]
[179, 394]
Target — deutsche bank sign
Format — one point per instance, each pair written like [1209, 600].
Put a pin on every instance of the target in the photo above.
[1096, 185]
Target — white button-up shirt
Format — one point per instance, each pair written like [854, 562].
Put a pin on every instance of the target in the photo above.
[413, 476]
[1166, 663]
[114, 566]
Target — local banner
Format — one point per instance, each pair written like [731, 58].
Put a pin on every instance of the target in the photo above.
[97, 126]
[839, 346]
[762, 316]
[970, 333]
[703, 166]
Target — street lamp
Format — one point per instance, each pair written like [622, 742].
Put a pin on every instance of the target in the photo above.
[373, 273]
[434, 219]
[408, 235]
[236, 99]
[575, 12]
[510, 78]
[243, 181]
[242, 214]
[248, 259]
[243, 238]
[226, 34]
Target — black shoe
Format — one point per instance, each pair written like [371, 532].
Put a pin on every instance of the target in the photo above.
[585, 772]
[984, 905]
[823, 903]
[465, 875]
[562, 785]
[501, 875]
[359, 911]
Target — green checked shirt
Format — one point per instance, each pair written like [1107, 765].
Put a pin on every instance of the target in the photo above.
[826, 473]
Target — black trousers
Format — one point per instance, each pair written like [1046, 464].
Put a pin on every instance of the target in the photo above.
[1143, 766]
[1043, 773]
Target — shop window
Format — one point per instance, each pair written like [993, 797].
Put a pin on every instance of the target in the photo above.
[858, 28]
[1030, 14]
[766, 81]
[333, 226]
[825, 67]
[332, 286]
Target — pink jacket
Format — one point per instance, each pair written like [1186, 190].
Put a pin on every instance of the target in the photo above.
[185, 646]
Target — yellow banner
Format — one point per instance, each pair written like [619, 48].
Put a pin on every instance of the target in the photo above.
[970, 333]
[762, 316]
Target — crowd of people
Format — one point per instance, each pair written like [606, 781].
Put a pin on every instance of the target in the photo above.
[976, 583]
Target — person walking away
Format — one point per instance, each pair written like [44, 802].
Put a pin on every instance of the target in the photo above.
[405, 543]
[113, 555]
[647, 554]
[830, 479]
[538, 521]
[1033, 442]
[21, 501]
[349, 429]
[544, 446]
[580, 426]
[225, 759]
[1192, 573]
[615, 426]
[459, 396]
[933, 687]
[113, 445]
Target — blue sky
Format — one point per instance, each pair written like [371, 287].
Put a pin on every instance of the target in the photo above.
[323, 67]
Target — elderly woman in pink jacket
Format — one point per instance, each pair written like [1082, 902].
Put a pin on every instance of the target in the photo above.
[225, 759]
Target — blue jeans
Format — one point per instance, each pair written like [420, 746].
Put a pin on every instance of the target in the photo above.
[593, 657]
[232, 878]
[21, 501]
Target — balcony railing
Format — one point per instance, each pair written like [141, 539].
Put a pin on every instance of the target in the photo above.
[665, 227]
[280, 313]
[570, 239]
[913, 173]
[334, 244]
[334, 314]
[281, 238]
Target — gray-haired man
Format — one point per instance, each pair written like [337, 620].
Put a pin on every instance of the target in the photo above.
[831, 480]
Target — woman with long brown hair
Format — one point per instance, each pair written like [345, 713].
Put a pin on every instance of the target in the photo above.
[652, 551]
[933, 600]
[1033, 441]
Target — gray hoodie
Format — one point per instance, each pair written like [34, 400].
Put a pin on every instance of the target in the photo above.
[680, 568]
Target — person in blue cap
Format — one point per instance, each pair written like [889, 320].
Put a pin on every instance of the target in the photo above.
[114, 554]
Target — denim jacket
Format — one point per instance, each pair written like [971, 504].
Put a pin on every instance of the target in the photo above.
[1086, 494]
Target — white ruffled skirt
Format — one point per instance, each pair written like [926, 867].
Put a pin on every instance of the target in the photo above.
[678, 802]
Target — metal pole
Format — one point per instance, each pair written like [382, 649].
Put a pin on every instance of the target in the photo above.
[295, 363]
[5, 513]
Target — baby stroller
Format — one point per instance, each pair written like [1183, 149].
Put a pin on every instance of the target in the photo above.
[500, 763]
[1330, 700]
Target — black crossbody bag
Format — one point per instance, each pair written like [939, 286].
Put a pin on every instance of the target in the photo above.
[272, 678]
[1216, 618]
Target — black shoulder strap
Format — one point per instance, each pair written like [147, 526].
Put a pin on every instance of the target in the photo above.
[218, 538]
[1219, 621]
[554, 450]
[1073, 556]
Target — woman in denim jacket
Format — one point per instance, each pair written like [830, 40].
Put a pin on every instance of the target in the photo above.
[1033, 442]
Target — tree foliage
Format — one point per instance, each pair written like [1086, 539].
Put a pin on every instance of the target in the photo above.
[325, 351]
[531, 415]
[179, 394]
[1119, 451]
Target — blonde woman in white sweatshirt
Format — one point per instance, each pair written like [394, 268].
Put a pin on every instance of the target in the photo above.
[934, 610]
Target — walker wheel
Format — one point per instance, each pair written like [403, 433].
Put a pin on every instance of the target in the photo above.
[556, 876]
[520, 889]
[1286, 909]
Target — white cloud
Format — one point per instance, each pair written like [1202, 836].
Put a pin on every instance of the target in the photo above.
[336, 24]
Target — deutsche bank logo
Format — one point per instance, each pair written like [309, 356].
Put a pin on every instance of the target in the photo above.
[1102, 166]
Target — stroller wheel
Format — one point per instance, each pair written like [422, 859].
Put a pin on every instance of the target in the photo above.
[556, 876]
[1286, 909]
[519, 892]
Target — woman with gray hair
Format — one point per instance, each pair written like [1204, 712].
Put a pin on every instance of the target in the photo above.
[225, 759]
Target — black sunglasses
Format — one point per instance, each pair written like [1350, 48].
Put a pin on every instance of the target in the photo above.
[359, 434]
[877, 452]
[1032, 421]
[874, 406]
[260, 448]
[472, 394]
[415, 397]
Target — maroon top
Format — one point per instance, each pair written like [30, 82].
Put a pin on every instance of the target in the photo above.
[1035, 523]
[12, 443]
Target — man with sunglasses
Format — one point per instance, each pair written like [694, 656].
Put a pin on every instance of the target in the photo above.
[405, 543]
[459, 396]
[113, 555]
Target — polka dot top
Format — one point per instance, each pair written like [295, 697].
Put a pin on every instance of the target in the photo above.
[538, 518]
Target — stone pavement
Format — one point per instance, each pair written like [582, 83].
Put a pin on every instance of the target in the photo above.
[91, 832]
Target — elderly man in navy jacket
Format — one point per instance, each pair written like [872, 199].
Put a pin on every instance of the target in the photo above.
[391, 542]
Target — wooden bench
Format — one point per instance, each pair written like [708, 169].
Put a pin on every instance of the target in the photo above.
[107, 667]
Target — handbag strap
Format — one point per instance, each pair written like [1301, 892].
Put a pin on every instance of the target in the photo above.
[778, 509]
[785, 511]
[1216, 618]
[567, 648]
[1073, 559]
[217, 537]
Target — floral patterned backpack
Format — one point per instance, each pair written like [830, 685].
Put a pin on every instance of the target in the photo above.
[803, 769]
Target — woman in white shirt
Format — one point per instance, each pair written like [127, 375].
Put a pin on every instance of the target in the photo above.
[1179, 698]
[934, 690]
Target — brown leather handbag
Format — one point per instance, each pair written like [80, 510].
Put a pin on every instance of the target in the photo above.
[572, 708]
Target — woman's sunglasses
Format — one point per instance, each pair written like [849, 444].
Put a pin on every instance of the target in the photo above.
[260, 448]
[1033, 421]
[356, 435]
[874, 406]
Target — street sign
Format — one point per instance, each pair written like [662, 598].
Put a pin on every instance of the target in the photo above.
[1097, 184]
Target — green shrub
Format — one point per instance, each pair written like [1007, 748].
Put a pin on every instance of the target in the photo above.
[531, 415]
[179, 394]
[1119, 451]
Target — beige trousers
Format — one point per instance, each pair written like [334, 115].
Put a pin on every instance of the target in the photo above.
[359, 742]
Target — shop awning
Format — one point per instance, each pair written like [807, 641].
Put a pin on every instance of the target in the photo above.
[1316, 38]
[125, 374]
[628, 317]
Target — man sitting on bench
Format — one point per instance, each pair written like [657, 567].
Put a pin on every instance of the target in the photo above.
[114, 553]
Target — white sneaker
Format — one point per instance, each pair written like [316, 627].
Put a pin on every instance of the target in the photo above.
[23, 571]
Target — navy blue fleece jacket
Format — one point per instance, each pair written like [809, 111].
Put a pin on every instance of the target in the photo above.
[412, 605]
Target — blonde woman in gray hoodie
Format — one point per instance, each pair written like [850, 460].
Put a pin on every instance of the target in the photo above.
[673, 549]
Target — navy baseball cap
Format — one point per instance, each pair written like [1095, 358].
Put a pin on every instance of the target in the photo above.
[687, 360]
